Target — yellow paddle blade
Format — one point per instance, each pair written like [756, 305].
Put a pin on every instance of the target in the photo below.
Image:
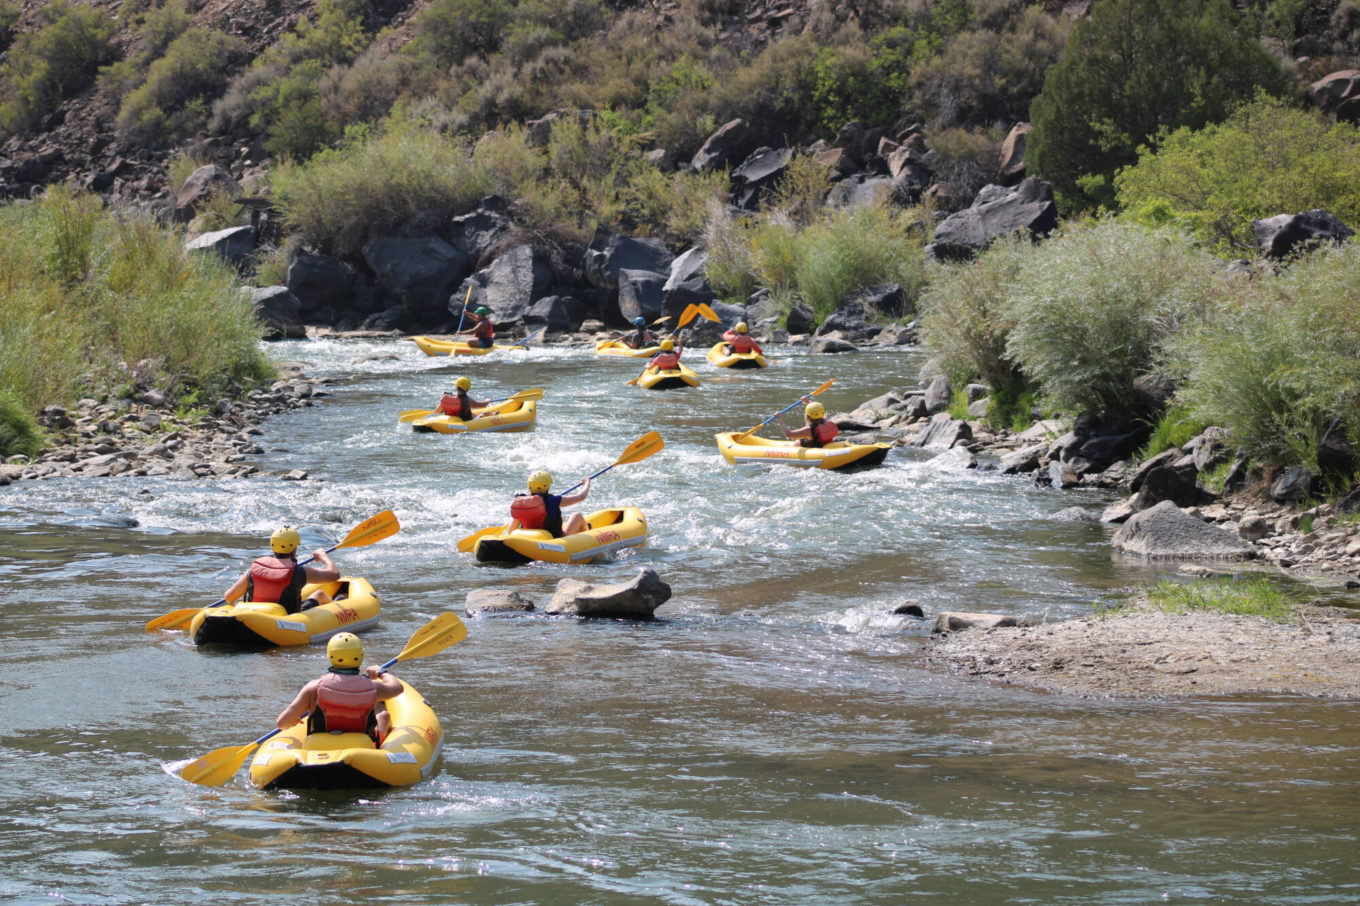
[707, 311]
[641, 448]
[218, 766]
[374, 529]
[533, 393]
[436, 635]
[465, 545]
[688, 314]
[411, 415]
[175, 619]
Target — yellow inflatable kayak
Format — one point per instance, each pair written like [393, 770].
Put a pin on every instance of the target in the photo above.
[835, 455]
[432, 346]
[258, 625]
[652, 379]
[620, 348]
[719, 356]
[511, 415]
[294, 760]
[606, 531]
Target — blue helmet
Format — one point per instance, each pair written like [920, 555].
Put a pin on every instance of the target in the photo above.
[639, 321]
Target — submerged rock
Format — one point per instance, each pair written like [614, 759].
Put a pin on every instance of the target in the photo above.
[637, 599]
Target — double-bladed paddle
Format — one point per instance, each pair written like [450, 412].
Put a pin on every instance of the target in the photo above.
[370, 531]
[782, 411]
[638, 450]
[219, 765]
[411, 415]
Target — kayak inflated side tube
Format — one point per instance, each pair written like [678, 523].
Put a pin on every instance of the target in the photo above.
[257, 624]
[836, 455]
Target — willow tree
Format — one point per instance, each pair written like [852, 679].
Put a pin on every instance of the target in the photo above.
[1133, 70]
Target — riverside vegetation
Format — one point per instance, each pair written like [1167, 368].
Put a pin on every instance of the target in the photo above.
[357, 127]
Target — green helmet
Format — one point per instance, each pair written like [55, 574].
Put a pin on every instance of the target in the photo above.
[482, 310]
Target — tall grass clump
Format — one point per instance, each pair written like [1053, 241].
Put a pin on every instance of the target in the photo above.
[375, 181]
[1278, 363]
[19, 431]
[858, 247]
[91, 296]
[964, 317]
[1092, 311]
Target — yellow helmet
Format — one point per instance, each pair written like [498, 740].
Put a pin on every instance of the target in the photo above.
[539, 482]
[815, 410]
[285, 540]
[741, 327]
[463, 383]
[667, 345]
[346, 651]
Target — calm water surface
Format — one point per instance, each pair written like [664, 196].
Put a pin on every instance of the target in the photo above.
[774, 738]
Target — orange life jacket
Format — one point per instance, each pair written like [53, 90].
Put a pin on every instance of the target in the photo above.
[823, 433]
[456, 406]
[276, 580]
[538, 511]
[740, 342]
[346, 702]
[665, 361]
[484, 330]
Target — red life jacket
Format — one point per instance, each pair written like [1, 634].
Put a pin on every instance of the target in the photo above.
[277, 580]
[665, 361]
[456, 406]
[346, 702]
[484, 330]
[823, 433]
[529, 509]
[740, 342]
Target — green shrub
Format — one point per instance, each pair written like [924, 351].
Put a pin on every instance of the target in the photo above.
[854, 248]
[1092, 310]
[59, 59]
[1279, 359]
[19, 431]
[730, 270]
[172, 102]
[377, 181]
[9, 17]
[1132, 69]
[449, 30]
[964, 316]
[1266, 158]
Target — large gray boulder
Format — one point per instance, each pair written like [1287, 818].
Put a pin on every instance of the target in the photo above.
[943, 432]
[996, 212]
[280, 311]
[1285, 234]
[558, 314]
[421, 272]
[474, 235]
[322, 284]
[509, 287]
[758, 174]
[850, 319]
[731, 143]
[234, 245]
[636, 600]
[609, 254]
[859, 190]
[490, 601]
[686, 283]
[1333, 90]
[801, 319]
[640, 294]
[1166, 532]
[202, 184]
[1010, 169]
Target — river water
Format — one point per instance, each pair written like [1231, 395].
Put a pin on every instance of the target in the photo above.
[774, 737]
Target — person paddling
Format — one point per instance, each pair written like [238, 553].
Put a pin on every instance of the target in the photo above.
[641, 337]
[541, 510]
[739, 341]
[668, 359]
[458, 404]
[483, 331]
[345, 700]
[279, 578]
[818, 432]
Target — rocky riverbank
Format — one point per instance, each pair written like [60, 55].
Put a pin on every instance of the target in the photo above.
[1146, 654]
[148, 434]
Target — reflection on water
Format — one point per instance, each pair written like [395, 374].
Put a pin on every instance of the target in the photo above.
[774, 738]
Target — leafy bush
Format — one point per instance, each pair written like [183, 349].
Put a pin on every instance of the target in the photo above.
[858, 247]
[447, 31]
[172, 102]
[373, 182]
[48, 65]
[1266, 158]
[1092, 310]
[1177, 427]
[964, 316]
[1279, 360]
[19, 431]
[1131, 70]
[727, 239]
[9, 16]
